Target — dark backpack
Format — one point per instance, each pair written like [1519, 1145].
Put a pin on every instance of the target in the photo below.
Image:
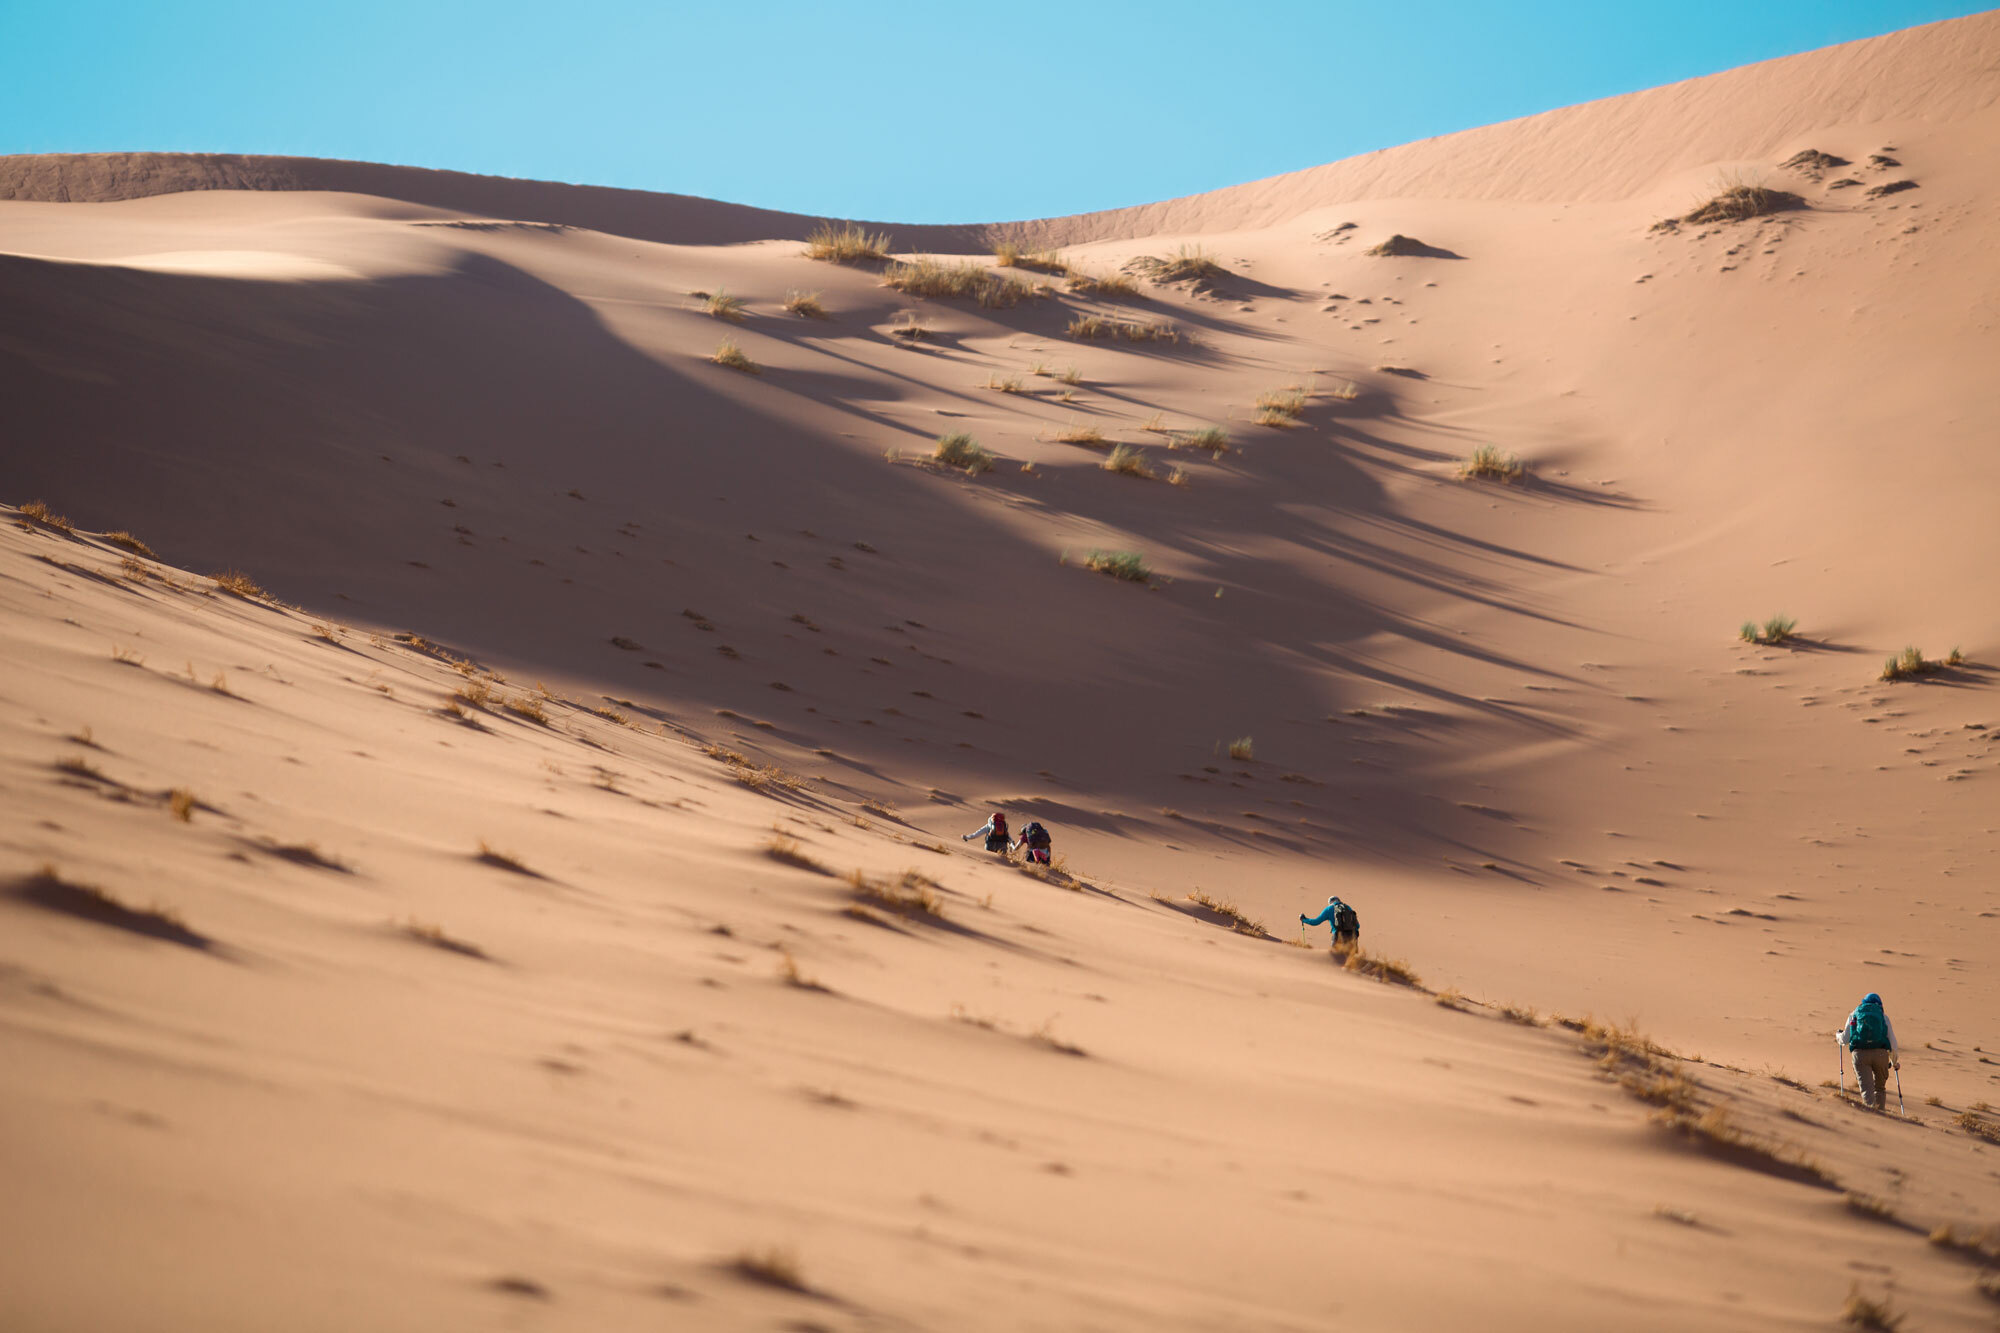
[1871, 1029]
[1346, 921]
[999, 826]
[1035, 836]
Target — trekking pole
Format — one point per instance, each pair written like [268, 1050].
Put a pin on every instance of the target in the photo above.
[1899, 1088]
[1840, 1054]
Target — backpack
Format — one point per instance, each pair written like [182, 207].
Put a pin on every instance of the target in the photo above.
[1346, 921]
[1870, 1029]
[999, 826]
[1035, 835]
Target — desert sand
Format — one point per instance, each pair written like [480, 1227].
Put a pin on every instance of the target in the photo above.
[527, 890]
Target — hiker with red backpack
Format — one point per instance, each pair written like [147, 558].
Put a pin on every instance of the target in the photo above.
[994, 831]
[1871, 1039]
[1036, 841]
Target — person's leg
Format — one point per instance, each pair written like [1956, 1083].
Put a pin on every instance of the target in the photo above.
[1872, 1069]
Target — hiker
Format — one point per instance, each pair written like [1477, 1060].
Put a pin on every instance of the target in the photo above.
[994, 831]
[1346, 923]
[1036, 840]
[1871, 1039]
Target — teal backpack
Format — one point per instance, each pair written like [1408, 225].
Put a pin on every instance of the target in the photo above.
[1871, 1028]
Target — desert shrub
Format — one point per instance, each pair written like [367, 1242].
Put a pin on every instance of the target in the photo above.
[1907, 664]
[1126, 565]
[1739, 200]
[1010, 254]
[959, 450]
[1392, 971]
[125, 541]
[1093, 327]
[722, 305]
[846, 244]
[1114, 286]
[1954, 657]
[727, 353]
[1127, 461]
[1229, 912]
[912, 894]
[1280, 407]
[1178, 476]
[1081, 433]
[237, 582]
[925, 276]
[1071, 375]
[1865, 1312]
[1213, 440]
[528, 706]
[1489, 461]
[1188, 263]
[1243, 748]
[1007, 384]
[1774, 630]
[805, 305]
[39, 512]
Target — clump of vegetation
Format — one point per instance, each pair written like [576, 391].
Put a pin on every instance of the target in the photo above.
[47, 889]
[786, 851]
[1126, 565]
[1911, 663]
[1009, 254]
[1866, 1312]
[1398, 246]
[773, 1267]
[489, 855]
[1774, 630]
[959, 450]
[1085, 433]
[847, 244]
[1489, 461]
[1243, 749]
[1114, 286]
[1189, 263]
[805, 305]
[426, 932]
[181, 803]
[1213, 440]
[727, 353]
[1739, 200]
[1092, 327]
[1280, 407]
[1377, 967]
[1228, 911]
[237, 582]
[1178, 476]
[528, 706]
[125, 541]
[40, 513]
[721, 305]
[911, 894]
[1127, 461]
[925, 276]
[1007, 384]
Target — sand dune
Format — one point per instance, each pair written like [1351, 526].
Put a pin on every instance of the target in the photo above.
[525, 918]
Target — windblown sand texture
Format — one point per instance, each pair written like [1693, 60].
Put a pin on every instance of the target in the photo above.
[544, 908]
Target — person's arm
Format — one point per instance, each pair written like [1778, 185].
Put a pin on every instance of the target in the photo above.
[1895, 1051]
[1325, 915]
[978, 832]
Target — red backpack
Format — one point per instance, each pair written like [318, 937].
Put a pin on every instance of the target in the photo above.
[999, 825]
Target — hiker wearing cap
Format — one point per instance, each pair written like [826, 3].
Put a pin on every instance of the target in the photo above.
[1871, 1039]
[1346, 923]
[995, 833]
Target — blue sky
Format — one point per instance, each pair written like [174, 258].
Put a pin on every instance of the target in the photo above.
[906, 112]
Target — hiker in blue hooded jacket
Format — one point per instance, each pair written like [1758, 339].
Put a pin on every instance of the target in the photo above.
[1345, 921]
[1871, 1039]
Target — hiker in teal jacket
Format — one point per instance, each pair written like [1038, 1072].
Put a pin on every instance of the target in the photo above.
[1871, 1040]
[1344, 920]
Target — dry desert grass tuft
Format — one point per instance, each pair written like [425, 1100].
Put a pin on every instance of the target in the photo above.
[1008, 254]
[1125, 565]
[241, 584]
[39, 512]
[847, 244]
[1189, 263]
[1865, 1312]
[125, 541]
[959, 450]
[1114, 286]
[786, 851]
[1911, 663]
[911, 894]
[1128, 461]
[1391, 971]
[721, 305]
[1281, 407]
[727, 353]
[806, 305]
[925, 276]
[772, 1267]
[1774, 630]
[1092, 327]
[1085, 433]
[1229, 912]
[1489, 461]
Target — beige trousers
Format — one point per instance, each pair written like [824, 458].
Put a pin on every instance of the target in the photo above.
[1872, 1069]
